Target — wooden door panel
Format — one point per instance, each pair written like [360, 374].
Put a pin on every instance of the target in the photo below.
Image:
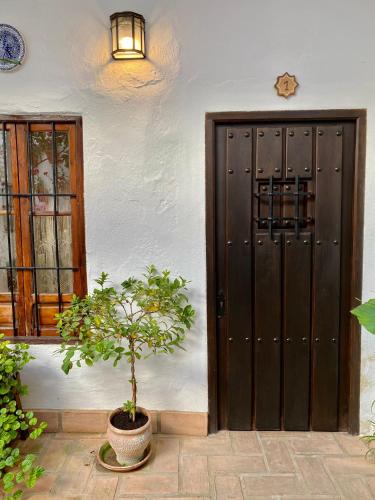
[47, 313]
[289, 286]
[238, 258]
[267, 312]
[297, 338]
[268, 152]
[48, 307]
[299, 152]
[326, 318]
[6, 314]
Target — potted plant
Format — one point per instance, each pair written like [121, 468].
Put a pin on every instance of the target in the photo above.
[16, 470]
[139, 318]
[365, 313]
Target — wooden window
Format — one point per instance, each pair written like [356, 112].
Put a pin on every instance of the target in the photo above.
[42, 245]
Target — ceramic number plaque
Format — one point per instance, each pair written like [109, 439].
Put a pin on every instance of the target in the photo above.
[12, 48]
[286, 85]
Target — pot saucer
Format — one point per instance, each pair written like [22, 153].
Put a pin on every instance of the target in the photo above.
[107, 458]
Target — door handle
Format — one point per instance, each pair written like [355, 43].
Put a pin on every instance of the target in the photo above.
[220, 305]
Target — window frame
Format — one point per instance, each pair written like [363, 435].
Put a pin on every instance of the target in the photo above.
[43, 120]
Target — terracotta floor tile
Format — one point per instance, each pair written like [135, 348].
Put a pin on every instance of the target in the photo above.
[318, 443]
[263, 485]
[194, 475]
[217, 444]
[132, 498]
[46, 496]
[371, 485]
[308, 497]
[349, 465]
[277, 456]
[90, 444]
[224, 466]
[352, 445]
[228, 488]
[101, 487]
[178, 498]
[34, 445]
[236, 464]
[148, 484]
[37, 496]
[55, 454]
[74, 475]
[245, 442]
[44, 485]
[98, 470]
[284, 434]
[316, 479]
[165, 455]
[354, 488]
[270, 497]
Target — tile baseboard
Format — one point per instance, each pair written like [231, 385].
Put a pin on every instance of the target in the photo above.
[95, 421]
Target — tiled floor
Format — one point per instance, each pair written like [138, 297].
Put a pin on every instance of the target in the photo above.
[226, 466]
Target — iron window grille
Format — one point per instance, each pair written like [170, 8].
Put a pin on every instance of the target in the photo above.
[9, 196]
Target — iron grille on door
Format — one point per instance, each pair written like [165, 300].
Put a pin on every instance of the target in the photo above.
[42, 260]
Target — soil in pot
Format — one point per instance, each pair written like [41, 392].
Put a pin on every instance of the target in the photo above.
[124, 421]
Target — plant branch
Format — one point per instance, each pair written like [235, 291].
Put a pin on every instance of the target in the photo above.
[133, 379]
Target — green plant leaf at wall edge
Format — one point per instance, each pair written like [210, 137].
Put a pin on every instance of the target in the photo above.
[365, 313]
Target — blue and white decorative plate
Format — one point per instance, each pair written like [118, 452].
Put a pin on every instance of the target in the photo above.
[12, 47]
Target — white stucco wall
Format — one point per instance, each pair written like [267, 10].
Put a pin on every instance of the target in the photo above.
[144, 143]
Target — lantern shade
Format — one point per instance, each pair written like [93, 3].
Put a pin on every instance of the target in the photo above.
[128, 35]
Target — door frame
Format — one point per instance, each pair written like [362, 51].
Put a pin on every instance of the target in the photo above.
[356, 116]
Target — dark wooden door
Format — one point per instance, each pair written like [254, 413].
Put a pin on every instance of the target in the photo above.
[283, 233]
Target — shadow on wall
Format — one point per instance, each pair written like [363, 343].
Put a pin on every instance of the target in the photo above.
[122, 80]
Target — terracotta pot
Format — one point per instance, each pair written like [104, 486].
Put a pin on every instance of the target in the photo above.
[129, 446]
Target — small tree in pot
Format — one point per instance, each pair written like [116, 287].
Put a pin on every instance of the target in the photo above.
[142, 317]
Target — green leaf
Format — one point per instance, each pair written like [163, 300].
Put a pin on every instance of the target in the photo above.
[20, 477]
[365, 314]
[67, 366]
[9, 476]
[9, 461]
